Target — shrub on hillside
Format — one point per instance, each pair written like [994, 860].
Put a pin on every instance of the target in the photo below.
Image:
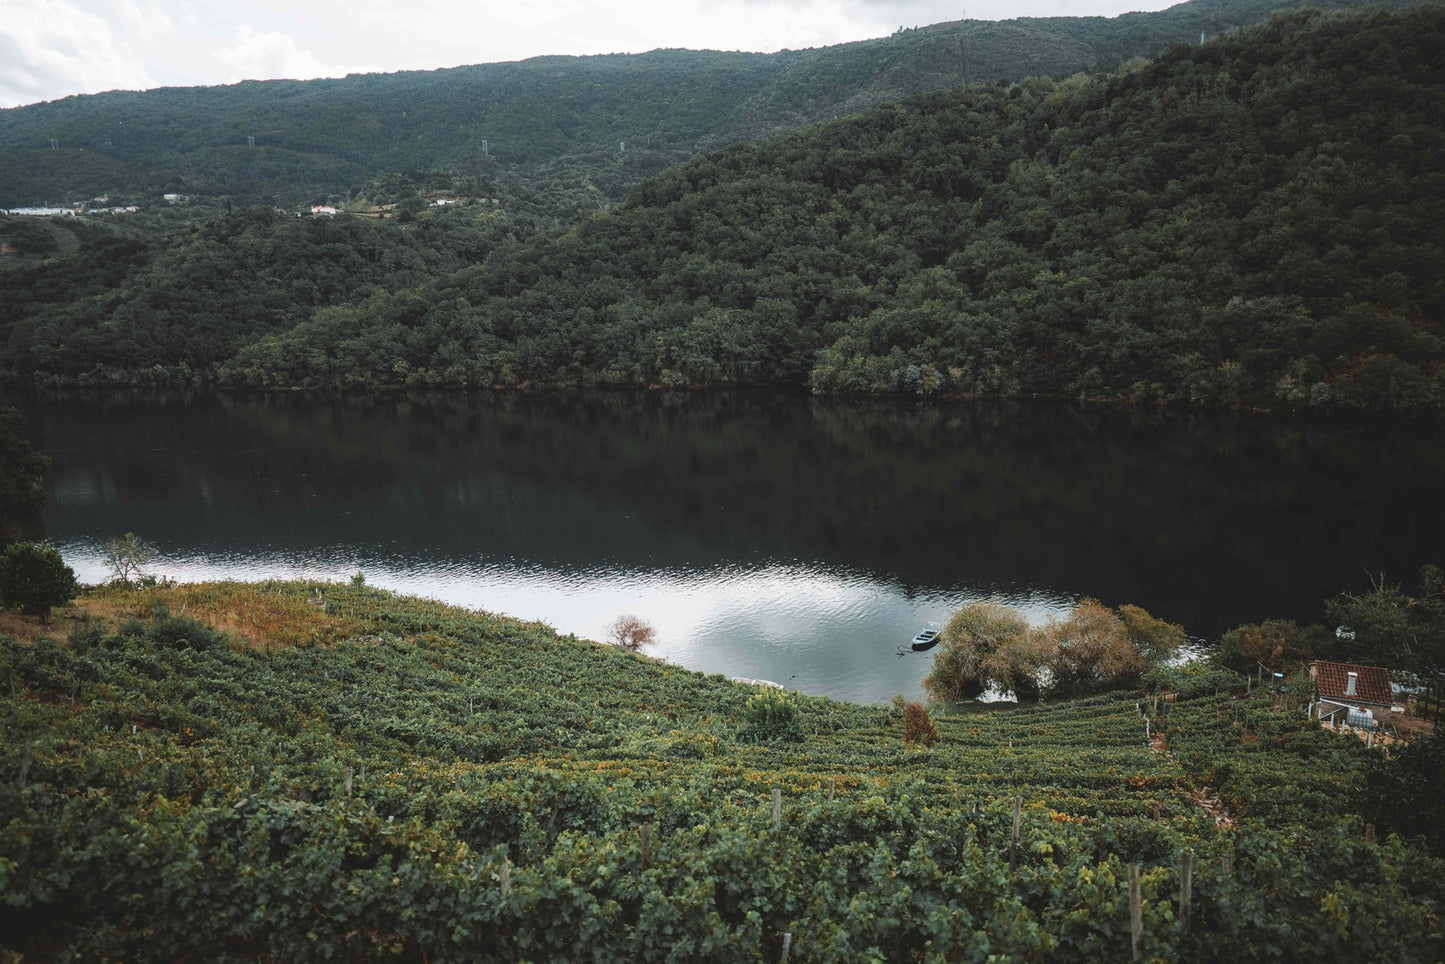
[34, 579]
[772, 717]
[917, 726]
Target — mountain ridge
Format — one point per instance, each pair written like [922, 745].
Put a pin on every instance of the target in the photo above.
[325, 136]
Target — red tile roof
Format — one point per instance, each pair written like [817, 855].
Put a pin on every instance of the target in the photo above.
[1372, 683]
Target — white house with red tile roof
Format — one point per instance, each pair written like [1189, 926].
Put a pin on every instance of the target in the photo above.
[1352, 694]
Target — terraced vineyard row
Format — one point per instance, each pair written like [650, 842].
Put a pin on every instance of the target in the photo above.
[353, 775]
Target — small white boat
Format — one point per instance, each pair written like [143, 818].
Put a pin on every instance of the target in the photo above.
[927, 639]
[757, 682]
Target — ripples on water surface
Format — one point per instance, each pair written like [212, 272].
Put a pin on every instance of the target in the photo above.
[826, 632]
[764, 536]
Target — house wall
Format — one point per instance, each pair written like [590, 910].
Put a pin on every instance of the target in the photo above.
[1324, 707]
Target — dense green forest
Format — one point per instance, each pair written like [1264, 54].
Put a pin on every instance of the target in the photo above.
[1251, 221]
[284, 771]
[154, 311]
[327, 137]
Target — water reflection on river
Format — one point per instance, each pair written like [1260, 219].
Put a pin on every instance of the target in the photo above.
[768, 536]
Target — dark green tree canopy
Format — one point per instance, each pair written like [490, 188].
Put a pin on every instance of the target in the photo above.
[288, 140]
[1402, 630]
[1254, 221]
[34, 579]
[22, 477]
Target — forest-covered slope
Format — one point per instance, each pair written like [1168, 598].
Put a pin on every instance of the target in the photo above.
[326, 137]
[1255, 220]
[299, 772]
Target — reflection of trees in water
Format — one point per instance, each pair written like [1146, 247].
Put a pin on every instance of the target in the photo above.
[1205, 519]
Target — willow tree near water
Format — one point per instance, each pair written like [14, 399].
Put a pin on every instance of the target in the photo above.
[988, 645]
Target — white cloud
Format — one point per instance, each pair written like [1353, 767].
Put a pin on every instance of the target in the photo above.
[261, 56]
[50, 48]
[149, 22]
[437, 33]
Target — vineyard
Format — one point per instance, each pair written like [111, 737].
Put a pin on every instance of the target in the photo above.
[290, 772]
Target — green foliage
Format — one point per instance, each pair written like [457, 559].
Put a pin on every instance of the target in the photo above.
[34, 579]
[984, 644]
[180, 632]
[320, 138]
[999, 241]
[1400, 630]
[170, 304]
[1217, 227]
[1192, 679]
[1280, 644]
[1404, 792]
[1155, 639]
[368, 797]
[987, 644]
[22, 477]
[770, 716]
[127, 557]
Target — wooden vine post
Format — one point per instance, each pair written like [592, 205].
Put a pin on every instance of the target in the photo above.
[1013, 851]
[777, 810]
[1136, 916]
[1186, 890]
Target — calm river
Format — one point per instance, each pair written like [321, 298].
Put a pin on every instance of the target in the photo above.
[767, 536]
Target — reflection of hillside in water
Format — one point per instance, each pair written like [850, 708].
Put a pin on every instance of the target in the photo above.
[1206, 519]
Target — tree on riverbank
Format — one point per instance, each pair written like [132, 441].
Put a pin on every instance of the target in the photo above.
[986, 644]
[127, 557]
[22, 477]
[632, 633]
[35, 579]
[989, 645]
[1404, 630]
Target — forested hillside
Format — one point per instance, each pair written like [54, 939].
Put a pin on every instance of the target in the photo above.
[327, 137]
[1255, 220]
[285, 771]
[169, 307]
[1252, 221]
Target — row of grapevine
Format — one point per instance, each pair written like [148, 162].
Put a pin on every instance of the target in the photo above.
[406, 781]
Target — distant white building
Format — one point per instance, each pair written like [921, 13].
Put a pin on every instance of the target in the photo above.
[442, 202]
[323, 209]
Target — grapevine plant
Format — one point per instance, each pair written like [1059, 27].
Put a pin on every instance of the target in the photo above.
[282, 772]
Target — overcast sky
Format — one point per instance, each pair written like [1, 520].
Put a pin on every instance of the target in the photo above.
[53, 48]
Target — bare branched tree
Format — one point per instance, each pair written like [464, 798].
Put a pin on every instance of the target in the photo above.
[127, 557]
[632, 633]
